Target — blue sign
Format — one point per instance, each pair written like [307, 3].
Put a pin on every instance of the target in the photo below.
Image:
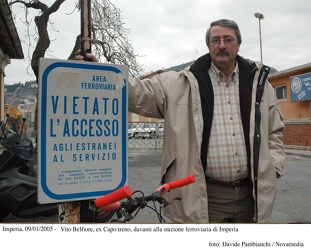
[82, 146]
[300, 87]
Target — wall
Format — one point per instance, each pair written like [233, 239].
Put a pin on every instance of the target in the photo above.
[297, 115]
[298, 134]
[291, 110]
[4, 60]
[139, 118]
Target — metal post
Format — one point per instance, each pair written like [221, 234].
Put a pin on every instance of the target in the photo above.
[86, 27]
[78, 211]
[260, 16]
[260, 41]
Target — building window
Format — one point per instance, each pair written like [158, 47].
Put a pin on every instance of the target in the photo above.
[281, 92]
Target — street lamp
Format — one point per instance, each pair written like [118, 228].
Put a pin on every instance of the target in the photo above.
[260, 16]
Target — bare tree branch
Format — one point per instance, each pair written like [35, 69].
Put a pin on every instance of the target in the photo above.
[109, 37]
[41, 22]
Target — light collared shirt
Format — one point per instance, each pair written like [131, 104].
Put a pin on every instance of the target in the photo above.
[226, 157]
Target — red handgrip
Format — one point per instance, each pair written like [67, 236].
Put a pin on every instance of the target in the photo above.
[119, 194]
[113, 206]
[182, 182]
[163, 189]
[176, 184]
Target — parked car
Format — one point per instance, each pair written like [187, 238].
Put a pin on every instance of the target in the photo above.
[145, 130]
[130, 130]
[160, 126]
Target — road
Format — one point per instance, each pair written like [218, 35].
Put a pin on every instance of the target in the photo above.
[293, 202]
[292, 205]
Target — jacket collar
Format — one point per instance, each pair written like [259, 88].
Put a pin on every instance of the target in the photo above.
[203, 63]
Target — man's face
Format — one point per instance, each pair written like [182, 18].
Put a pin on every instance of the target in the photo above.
[224, 47]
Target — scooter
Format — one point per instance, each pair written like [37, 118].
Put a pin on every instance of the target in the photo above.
[18, 176]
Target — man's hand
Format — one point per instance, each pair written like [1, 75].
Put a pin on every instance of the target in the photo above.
[88, 55]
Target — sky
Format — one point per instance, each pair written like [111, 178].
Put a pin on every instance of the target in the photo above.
[171, 32]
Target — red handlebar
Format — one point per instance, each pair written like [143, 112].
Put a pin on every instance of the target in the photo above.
[182, 182]
[113, 206]
[176, 184]
[119, 194]
[111, 201]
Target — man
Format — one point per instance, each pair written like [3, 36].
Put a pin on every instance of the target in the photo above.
[223, 124]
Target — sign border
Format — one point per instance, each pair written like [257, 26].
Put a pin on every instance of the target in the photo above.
[43, 132]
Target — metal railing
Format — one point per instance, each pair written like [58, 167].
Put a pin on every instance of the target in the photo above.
[145, 135]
